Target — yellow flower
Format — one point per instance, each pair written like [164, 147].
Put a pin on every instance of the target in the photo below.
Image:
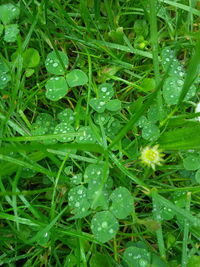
[151, 156]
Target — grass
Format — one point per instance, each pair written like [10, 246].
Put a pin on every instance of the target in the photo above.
[124, 76]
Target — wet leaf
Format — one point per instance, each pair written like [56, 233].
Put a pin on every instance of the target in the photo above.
[76, 78]
[113, 105]
[67, 116]
[11, 32]
[122, 202]
[64, 128]
[54, 64]
[137, 257]
[9, 12]
[104, 226]
[57, 88]
[78, 202]
[86, 136]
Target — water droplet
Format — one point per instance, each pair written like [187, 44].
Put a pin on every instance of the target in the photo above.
[77, 204]
[55, 64]
[80, 191]
[143, 262]
[102, 103]
[104, 89]
[180, 82]
[104, 224]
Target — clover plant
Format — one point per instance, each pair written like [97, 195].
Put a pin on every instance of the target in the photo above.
[85, 135]
[104, 226]
[150, 132]
[191, 163]
[64, 128]
[122, 202]
[57, 87]
[97, 193]
[4, 73]
[8, 13]
[78, 202]
[173, 84]
[103, 100]
[137, 257]
[44, 124]
[67, 116]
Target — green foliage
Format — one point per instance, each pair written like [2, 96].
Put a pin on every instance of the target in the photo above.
[11, 32]
[122, 202]
[85, 88]
[172, 90]
[150, 132]
[56, 63]
[4, 74]
[57, 88]
[173, 85]
[66, 116]
[8, 13]
[194, 261]
[31, 58]
[78, 202]
[85, 135]
[191, 162]
[64, 128]
[137, 257]
[104, 226]
[76, 78]
[103, 101]
[44, 124]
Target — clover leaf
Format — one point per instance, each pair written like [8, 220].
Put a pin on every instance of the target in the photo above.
[98, 104]
[64, 128]
[4, 79]
[54, 64]
[150, 132]
[11, 32]
[104, 226]
[76, 179]
[122, 202]
[44, 124]
[31, 58]
[76, 78]
[57, 88]
[171, 64]
[172, 89]
[8, 12]
[67, 116]
[105, 91]
[113, 127]
[93, 171]
[102, 118]
[77, 200]
[113, 105]
[191, 162]
[137, 257]
[85, 135]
